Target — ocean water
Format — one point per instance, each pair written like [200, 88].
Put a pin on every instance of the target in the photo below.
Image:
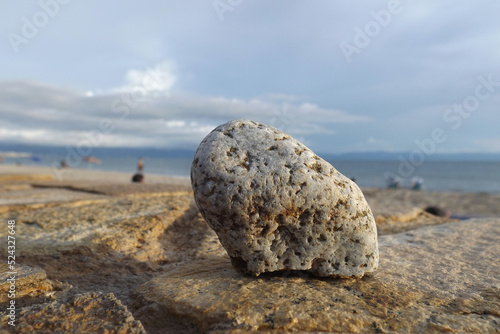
[463, 176]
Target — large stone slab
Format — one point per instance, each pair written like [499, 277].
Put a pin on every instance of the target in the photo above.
[85, 313]
[440, 278]
[276, 205]
[112, 245]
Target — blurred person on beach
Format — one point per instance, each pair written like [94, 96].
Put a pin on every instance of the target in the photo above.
[139, 176]
[140, 165]
[92, 160]
[393, 182]
[416, 183]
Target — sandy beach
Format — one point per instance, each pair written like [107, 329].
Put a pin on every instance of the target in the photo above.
[97, 250]
[384, 202]
[8, 173]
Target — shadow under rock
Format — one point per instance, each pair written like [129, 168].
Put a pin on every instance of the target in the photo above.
[190, 238]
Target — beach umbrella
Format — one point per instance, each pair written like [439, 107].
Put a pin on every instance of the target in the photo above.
[35, 158]
[92, 160]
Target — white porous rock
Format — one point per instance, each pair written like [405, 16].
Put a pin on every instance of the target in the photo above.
[276, 205]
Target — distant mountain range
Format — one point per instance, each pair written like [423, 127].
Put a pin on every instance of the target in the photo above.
[187, 153]
[114, 152]
[395, 156]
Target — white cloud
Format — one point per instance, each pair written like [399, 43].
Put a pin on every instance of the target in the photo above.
[491, 145]
[158, 80]
[175, 124]
[176, 120]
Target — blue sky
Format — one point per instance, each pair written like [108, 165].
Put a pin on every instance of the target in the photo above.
[339, 76]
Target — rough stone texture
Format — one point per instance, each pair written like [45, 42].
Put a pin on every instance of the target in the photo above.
[442, 278]
[275, 205]
[28, 280]
[84, 313]
[115, 244]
